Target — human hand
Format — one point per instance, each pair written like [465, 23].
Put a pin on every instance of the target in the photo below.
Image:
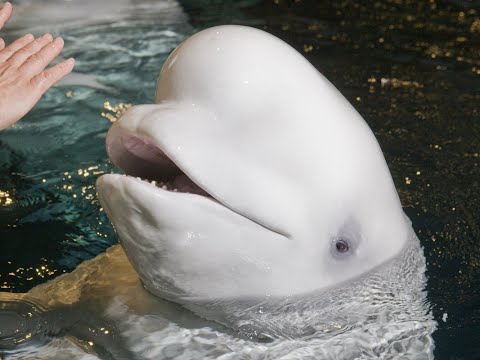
[24, 76]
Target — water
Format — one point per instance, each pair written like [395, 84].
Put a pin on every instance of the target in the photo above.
[410, 68]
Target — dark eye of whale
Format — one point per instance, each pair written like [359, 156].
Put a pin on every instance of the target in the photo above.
[342, 246]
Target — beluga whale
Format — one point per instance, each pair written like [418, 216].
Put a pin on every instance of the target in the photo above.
[257, 218]
[254, 194]
[250, 176]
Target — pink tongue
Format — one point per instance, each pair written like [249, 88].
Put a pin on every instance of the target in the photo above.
[140, 158]
[184, 184]
[144, 150]
[148, 153]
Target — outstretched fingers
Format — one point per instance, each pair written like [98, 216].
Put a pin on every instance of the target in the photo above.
[29, 50]
[47, 78]
[11, 49]
[5, 13]
[37, 62]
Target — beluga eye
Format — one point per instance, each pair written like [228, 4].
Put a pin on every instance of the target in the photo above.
[342, 246]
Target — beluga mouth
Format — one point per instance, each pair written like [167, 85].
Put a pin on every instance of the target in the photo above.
[244, 180]
[140, 158]
[158, 211]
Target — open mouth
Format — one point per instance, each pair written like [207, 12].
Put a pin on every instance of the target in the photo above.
[176, 223]
[166, 163]
[139, 157]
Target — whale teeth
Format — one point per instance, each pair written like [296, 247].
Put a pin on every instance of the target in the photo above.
[164, 185]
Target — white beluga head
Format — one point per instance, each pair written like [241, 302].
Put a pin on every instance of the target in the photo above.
[267, 182]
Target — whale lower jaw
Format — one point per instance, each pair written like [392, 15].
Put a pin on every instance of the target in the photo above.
[139, 156]
[180, 242]
[176, 235]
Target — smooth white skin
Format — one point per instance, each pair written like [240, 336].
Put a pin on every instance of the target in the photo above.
[291, 163]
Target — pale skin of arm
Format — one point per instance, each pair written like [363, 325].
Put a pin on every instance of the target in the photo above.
[24, 76]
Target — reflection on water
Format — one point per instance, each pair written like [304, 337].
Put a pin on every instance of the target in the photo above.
[21, 321]
[411, 68]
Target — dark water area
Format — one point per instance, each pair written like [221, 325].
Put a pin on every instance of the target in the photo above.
[411, 68]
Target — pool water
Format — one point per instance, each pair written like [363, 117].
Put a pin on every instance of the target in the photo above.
[412, 69]
[50, 215]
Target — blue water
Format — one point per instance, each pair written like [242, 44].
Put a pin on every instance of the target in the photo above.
[411, 68]
[49, 161]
